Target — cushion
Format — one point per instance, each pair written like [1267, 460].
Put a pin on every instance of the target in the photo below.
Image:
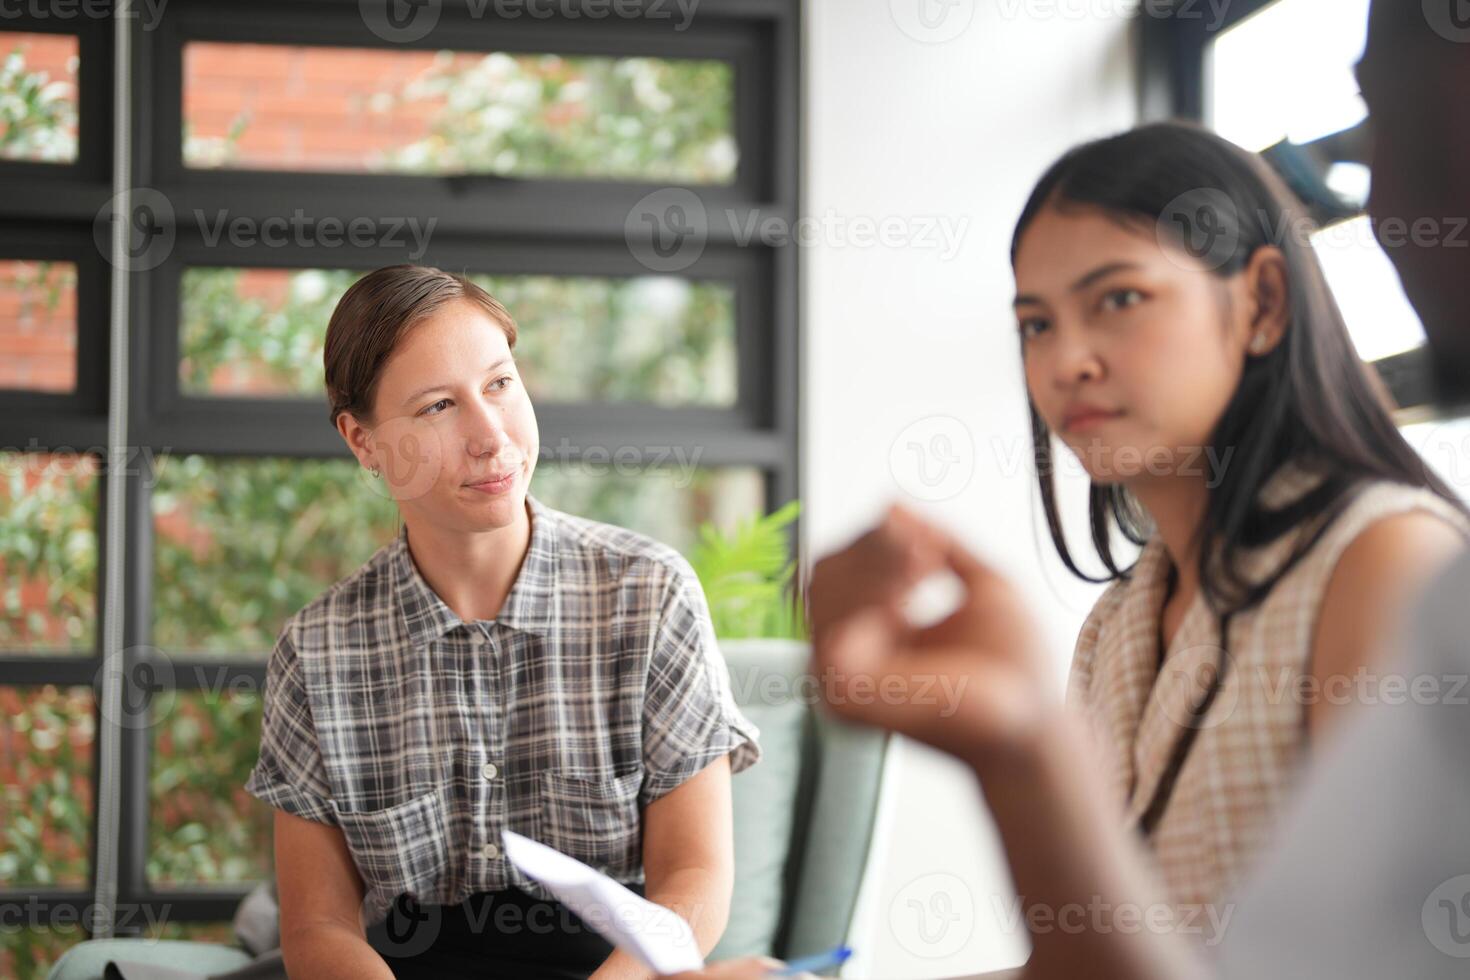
[763, 677]
[86, 961]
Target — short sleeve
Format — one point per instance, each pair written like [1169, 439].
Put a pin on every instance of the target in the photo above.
[289, 774]
[689, 716]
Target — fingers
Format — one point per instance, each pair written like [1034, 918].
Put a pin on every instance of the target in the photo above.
[878, 569]
[860, 643]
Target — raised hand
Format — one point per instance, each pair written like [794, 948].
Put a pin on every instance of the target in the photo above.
[973, 685]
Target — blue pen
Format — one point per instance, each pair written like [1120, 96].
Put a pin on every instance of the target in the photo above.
[811, 964]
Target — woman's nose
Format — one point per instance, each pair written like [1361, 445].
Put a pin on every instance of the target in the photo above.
[1076, 360]
[484, 433]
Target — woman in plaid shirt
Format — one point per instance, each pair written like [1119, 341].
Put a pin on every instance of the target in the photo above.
[498, 666]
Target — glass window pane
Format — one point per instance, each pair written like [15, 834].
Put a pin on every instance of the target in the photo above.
[240, 545]
[421, 112]
[38, 97]
[38, 325]
[48, 552]
[1310, 90]
[668, 503]
[1380, 318]
[45, 787]
[669, 341]
[202, 825]
[1445, 446]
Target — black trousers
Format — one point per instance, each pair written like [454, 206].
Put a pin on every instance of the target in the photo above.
[507, 933]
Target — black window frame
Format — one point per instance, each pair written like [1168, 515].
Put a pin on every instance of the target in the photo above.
[1173, 59]
[486, 225]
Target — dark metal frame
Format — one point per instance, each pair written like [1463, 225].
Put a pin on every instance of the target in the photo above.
[486, 224]
[1173, 55]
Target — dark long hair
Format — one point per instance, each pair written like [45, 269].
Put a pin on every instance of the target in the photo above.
[1311, 399]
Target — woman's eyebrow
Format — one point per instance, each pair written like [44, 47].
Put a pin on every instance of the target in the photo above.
[1081, 284]
[443, 387]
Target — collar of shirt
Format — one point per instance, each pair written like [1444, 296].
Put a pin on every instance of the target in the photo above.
[528, 607]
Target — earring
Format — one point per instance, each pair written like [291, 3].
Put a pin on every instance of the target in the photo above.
[374, 471]
[1258, 344]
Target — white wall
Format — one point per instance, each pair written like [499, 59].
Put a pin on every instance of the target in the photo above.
[914, 126]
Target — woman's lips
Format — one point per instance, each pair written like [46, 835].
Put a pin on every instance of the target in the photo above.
[498, 486]
[1085, 421]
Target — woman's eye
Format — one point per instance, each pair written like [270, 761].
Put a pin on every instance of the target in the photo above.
[500, 384]
[436, 407]
[1032, 328]
[1119, 298]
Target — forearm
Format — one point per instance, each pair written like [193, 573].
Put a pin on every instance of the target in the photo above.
[332, 952]
[699, 896]
[1069, 853]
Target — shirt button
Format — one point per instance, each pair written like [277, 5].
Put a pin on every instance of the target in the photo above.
[490, 771]
[491, 851]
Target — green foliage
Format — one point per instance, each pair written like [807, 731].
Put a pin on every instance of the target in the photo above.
[275, 346]
[747, 577]
[38, 116]
[48, 520]
[240, 544]
[547, 115]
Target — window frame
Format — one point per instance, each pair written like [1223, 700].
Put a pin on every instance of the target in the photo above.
[1173, 84]
[487, 224]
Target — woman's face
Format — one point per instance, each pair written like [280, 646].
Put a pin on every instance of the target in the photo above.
[455, 434]
[1131, 351]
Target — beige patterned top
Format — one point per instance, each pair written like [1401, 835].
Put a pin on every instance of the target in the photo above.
[1240, 767]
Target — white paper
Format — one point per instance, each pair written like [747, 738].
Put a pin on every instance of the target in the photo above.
[658, 936]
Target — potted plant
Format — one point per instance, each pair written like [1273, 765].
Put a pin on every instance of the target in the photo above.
[747, 575]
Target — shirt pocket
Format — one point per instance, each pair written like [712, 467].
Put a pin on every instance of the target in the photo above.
[594, 817]
[401, 848]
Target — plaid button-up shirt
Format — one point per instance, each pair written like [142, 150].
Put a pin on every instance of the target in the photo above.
[596, 690]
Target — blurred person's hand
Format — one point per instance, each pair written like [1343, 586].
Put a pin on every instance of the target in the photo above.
[745, 968]
[973, 685]
[877, 570]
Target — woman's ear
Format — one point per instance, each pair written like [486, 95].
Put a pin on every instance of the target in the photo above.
[358, 438]
[1269, 300]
